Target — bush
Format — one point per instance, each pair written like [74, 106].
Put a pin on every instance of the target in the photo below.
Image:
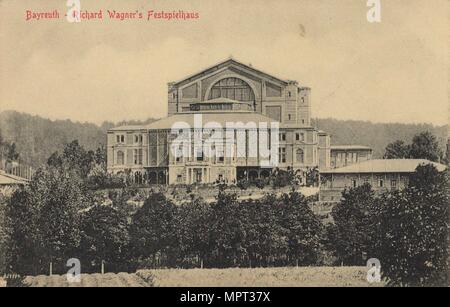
[412, 230]
[350, 235]
[105, 238]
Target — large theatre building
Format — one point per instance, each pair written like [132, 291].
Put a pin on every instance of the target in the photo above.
[264, 110]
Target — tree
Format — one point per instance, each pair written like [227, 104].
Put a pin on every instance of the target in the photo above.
[263, 237]
[3, 235]
[23, 248]
[8, 151]
[425, 146]
[193, 230]
[226, 230]
[412, 231]
[304, 230]
[74, 157]
[59, 197]
[312, 176]
[153, 231]
[105, 237]
[397, 150]
[282, 178]
[350, 235]
[44, 222]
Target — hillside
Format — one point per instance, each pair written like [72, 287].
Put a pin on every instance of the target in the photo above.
[37, 138]
[375, 135]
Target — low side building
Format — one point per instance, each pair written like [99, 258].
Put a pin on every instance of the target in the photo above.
[381, 174]
[344, 155]
[8, 183]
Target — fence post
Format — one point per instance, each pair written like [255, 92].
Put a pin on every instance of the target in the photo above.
[103, 267]
[51, 269]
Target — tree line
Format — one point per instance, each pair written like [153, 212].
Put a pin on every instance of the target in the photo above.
[61, 215]
[55, 218]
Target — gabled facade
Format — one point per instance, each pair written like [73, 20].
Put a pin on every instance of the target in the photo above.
[227, 92]
[282, 100]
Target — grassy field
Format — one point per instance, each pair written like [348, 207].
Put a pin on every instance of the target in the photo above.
[258, 277]
[87, 280]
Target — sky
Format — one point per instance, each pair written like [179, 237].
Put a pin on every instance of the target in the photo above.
[111, 70]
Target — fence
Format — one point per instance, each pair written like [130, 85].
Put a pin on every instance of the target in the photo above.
[17, 169]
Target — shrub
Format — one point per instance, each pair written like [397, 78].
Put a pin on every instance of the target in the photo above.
[350, 234]
[412, 230]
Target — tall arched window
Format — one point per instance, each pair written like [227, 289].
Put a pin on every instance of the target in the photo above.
[300, 156]
[120, 158]
[232, 88]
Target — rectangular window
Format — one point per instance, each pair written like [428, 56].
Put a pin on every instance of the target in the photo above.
[137, 156]
[282, 136]
[381, 183]
[282, 155]
[120, 139]
[199, 154]
[354, 183]
[297, 136]
[393, 184]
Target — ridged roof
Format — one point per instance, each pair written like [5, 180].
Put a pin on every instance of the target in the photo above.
[384, 166]
[188, 118]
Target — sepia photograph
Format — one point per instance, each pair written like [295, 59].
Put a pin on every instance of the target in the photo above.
[227, 151]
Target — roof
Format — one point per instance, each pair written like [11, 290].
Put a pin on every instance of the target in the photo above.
[349, 147]
[188, 118]
[128, 127]
[384, 166]
[8, 179]
[227, 62]
[221, 118]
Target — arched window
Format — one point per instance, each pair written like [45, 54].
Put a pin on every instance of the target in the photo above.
[120, 158]
[299, 156]
[232, 88]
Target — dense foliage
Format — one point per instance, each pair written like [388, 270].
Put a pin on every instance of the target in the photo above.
[424, 145]
[63, 214]
[3, 236]
[407, 230]
[412, 231]
[37, 138]
[350, 234]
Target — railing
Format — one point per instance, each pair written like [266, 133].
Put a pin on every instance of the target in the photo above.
[17, 169]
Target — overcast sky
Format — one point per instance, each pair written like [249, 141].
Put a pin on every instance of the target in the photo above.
[393, 71]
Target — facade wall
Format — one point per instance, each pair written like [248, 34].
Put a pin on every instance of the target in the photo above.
[341, 158]
[142, 151]
[302, 146]
[332, 185]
